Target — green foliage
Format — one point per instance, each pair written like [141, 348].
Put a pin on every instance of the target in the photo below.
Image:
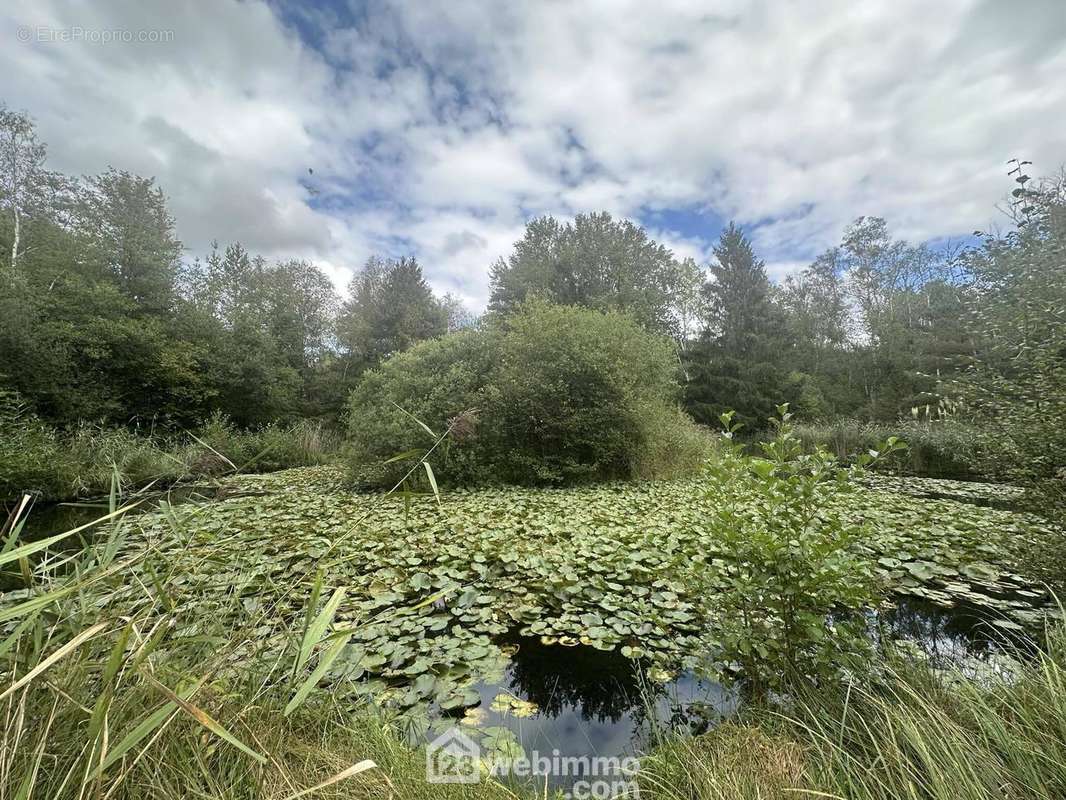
[611, 566]
[444, 382]
[904, 729]
[674, 445]
[57, 465]
[619, 566]
[549, 395]
[219, 446]
[31, 456]
[948, 448]
[96, 453]
[796, 576]
[737, 363]
[595, 262]
[1017, 380]
[389, 308]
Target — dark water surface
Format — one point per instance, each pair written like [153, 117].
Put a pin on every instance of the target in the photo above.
[48, 519]
[592, 703]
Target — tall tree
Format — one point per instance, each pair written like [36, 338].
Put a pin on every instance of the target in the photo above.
[128, 229]
[816, 307]
[389, 307]
[301, 308]
[895, 286]
[739, 309]
[26, 187]
[737, 363]
[595, 262]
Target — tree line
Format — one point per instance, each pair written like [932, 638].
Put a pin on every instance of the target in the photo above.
[102, 318]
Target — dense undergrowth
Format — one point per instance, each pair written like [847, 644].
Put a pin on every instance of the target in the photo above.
[935, 449]
[58, 465]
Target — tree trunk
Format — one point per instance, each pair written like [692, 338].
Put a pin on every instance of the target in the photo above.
[15, 243]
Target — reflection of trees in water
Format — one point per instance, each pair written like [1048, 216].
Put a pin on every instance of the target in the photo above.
[600, 685]
[942, 633]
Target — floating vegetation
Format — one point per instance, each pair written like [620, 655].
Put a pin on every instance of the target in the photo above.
[431, 593]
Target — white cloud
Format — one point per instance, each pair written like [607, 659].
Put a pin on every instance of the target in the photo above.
[437, 128]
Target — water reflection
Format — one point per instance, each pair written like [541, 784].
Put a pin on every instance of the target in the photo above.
[596, 703]
[949, 636]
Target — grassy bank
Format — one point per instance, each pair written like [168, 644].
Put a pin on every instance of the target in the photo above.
[906, 730]
[935, 449]
[63, 465]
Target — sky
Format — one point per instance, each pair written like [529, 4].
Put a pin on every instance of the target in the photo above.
[437, 128]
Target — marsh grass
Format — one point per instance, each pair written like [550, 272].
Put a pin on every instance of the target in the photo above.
[906, 731]
[64, 465]
[935, 449]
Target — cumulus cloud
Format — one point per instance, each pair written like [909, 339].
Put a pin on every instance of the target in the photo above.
[438, 128]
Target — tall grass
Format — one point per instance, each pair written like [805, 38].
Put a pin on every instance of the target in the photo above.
[936, 448]
[909, 731]
[111, 688]
[55, 465]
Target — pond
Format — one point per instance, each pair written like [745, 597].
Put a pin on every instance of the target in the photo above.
[47, 519]
[580, 702]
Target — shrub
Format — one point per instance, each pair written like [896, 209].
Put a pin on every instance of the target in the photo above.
[673, 444]
[791, 560]
[549, 395]
[219, 446]
[442, 382]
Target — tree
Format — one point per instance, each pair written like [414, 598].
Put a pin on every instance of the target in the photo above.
[1017, 378]
[456, 313]
[736, 365]
[816, 307]
[739, 309]
[25, 185]
[595, 262]
[891, 282]
[389, 307]
[301, 306]
[128, 229]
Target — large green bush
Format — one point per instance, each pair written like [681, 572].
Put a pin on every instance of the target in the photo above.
[549, 395]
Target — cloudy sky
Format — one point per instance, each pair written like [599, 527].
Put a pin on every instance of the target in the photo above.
[438, 128]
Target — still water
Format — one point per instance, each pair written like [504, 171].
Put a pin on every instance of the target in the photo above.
[591, 703]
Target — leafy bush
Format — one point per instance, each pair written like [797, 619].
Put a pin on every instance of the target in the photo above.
[550, 395]
[935, 449]
[444, 384]
[792, 559]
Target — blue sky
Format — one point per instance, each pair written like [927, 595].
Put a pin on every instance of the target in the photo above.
[437, 128]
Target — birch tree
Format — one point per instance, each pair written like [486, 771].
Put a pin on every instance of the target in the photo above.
[22, 173]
